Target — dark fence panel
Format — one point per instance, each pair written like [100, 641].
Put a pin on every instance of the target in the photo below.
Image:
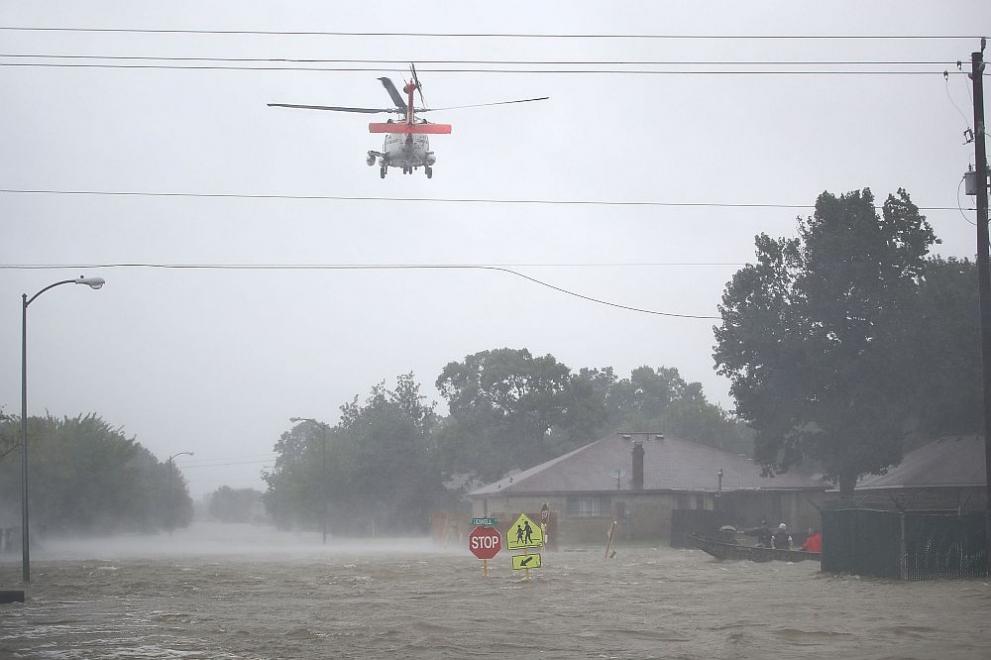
[892, 544]
[861, 541]
[944, 546]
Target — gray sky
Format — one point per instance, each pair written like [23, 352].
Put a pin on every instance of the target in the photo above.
[216, 362]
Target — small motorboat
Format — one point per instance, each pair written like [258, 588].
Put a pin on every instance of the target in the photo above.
[726, 550]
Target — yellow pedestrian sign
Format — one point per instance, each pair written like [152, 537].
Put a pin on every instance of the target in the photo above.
[524, 534]
[526, 562]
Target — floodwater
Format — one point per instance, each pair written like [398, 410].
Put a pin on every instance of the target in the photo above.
[219, 594]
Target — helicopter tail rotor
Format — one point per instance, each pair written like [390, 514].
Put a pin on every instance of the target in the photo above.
[416, 82]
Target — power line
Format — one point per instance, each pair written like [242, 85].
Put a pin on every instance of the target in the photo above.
[360, 266]
[481, 267]
[431, 200]
[653, 72]
[189, 466]
[489, 62]
[498, 35]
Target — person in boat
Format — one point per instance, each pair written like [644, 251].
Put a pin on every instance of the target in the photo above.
[813, 542]
[763, 534]
[781, 539]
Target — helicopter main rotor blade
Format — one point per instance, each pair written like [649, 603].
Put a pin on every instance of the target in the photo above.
[394, 93]
[482, 105]
[368, 111]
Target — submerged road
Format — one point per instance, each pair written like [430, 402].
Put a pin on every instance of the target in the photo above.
[397, 599]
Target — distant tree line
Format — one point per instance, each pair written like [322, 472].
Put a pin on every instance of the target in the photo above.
[86, 476]
[389, 457]
[849, 343]
[236, 505]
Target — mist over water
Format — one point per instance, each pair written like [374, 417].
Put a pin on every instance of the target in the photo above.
[251, 593]
[205, 539]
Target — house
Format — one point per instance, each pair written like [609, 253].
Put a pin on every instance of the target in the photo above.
[947, 474]
[651, 484]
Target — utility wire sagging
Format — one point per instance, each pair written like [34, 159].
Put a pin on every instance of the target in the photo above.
[620, 72]
[479, 267]
[435, 200]
[422, 61]
[500, 35]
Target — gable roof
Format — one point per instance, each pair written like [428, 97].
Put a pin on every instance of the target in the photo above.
[669, 464]
[956, 461]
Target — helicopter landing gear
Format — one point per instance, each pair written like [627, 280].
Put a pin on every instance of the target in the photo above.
[382, 171]
[429, 171]
[370, 160]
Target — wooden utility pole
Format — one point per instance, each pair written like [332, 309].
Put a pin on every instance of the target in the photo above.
[983, 276]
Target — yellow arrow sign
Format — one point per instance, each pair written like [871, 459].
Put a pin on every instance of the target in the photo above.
[521, 562]
[524, 533]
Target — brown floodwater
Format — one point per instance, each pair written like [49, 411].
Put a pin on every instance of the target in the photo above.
[232, 597]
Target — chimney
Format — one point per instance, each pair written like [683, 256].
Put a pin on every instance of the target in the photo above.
[638, 465]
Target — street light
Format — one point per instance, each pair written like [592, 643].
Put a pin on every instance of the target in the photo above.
[93, 283]
[323, 480]
[171, 464]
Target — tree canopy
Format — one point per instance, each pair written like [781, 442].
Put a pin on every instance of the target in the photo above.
[827, 338]
[509, 409]
[87, 476]
[379, 472]
[235, 505]
[389, 457]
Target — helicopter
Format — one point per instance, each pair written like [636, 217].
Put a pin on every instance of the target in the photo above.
[406, 143]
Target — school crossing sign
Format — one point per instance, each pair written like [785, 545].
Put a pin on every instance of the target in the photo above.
[524, 533]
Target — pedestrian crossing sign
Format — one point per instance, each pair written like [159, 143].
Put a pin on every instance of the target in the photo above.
[524, 533]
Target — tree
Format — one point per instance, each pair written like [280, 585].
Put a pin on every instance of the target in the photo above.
[511, 410]
[811, 335]
[944, 351]
[232, 505]
[87, 476]
[298, 483]
[503, 404]
[381, 471]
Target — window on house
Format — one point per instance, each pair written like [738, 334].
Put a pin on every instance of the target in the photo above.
[589, 505]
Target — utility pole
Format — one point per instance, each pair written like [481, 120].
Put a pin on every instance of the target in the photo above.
[323, 488]
[983, 276]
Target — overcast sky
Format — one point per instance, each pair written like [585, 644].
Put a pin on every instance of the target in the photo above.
[216, 362]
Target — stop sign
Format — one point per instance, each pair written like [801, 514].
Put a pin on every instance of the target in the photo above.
[485, 542]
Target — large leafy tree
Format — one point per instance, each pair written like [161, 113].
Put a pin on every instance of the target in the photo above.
[503, 403]
[943, 350]
[380, 471]
[87, 476]
[813, 335]
[512, 410]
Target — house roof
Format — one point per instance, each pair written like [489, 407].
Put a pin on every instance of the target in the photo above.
[669, 464]
[956, 461]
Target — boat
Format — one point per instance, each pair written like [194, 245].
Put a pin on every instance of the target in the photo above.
[726, 550]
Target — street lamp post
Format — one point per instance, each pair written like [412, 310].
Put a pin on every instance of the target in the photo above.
[171, 503]
[93, 283]
[323, 472]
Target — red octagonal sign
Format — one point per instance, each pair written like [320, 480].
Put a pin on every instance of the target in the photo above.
[485, 542]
